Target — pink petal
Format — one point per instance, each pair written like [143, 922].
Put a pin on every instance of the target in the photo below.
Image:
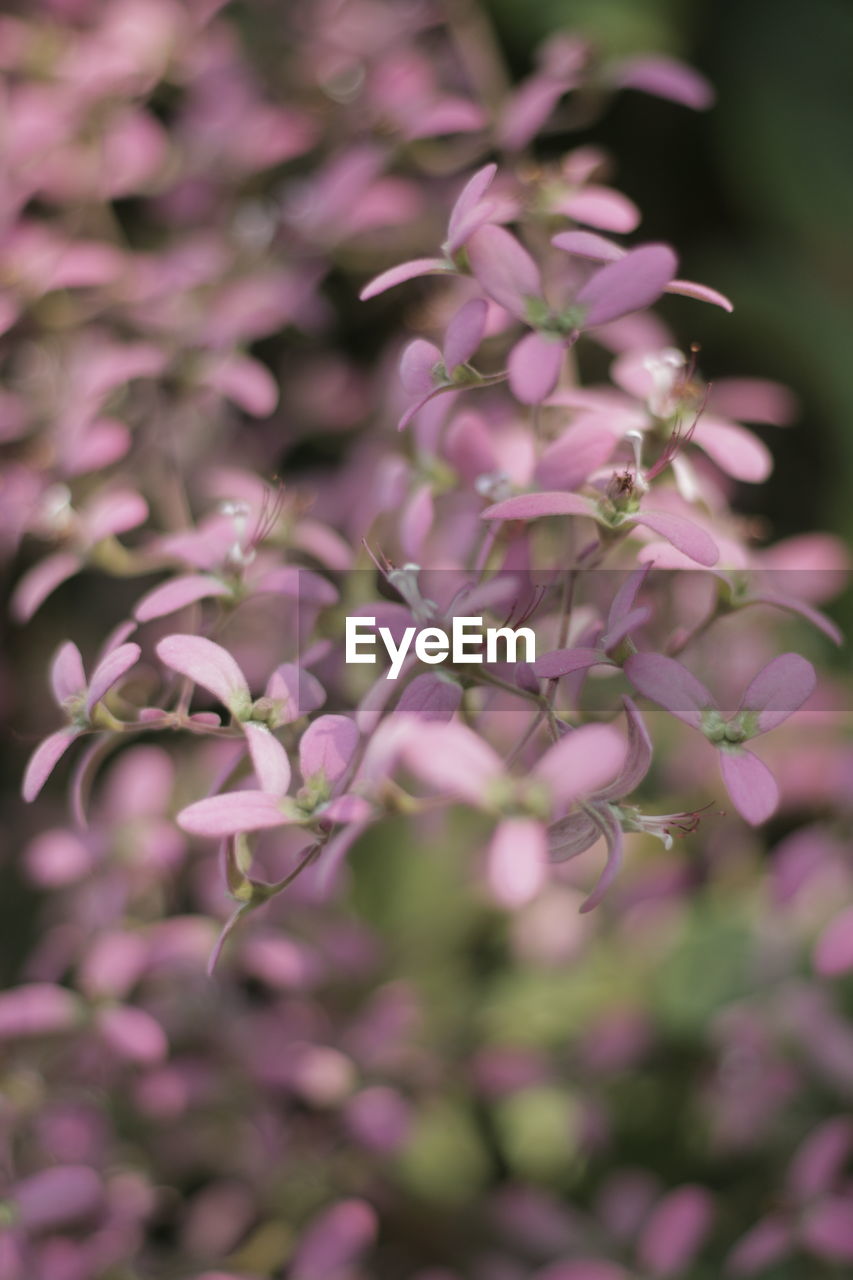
[109, 671]
[624, 627]
[451, 758]
[665, 78]
[115, 512]
[430, 697]
[561, 662]
[527, 108]
[753, 400]
[676, 1231]
[302, 584]
[638, 758]
[333, 1240]
[631, 284]
[769, 1241]
[327, 747]
[779, 689]
[534, 367]
[56, 858]
[269, 759]
[41, 581]
[57, 1197]
[834, 951]
[44, 760]
[623, 601]
[582, 762]
[465, 333]
[670, 685]
[530, 506]
[828, 1229]
[517, 862]
[615, 848]
[750, 784]
[685, 536]
[209, 665]
[601, 207]
[174, 595]
[348, 809]
[586, 244]
[575, 455]
[418, 364]
[463, 214]
[452, 115]
[734, 449]
[232, 813]
[571, 835]
[296, 692]
[67, 676]
[820, 1161]
[133, 1034]
[104, 443]
[504, 269]
[416, 521]
[701, 292]
[405, 271]
[38, 1009]
[419, 403]
[803, 610]
[247, 382]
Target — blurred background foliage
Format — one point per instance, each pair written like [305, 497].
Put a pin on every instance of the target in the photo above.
[757, 196]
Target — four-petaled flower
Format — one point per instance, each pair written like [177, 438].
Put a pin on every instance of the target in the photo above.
[772, 696]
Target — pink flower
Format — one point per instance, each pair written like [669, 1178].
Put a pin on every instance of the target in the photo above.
[84, 530]
[79, 701]
[326, 750]
[774, 694]
[510, 276]
[454, 760]
[426, 372]
[290, 692]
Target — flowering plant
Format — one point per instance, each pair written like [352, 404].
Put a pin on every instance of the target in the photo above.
[167, 214]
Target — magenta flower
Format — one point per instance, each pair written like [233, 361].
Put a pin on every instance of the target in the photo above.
[471, 210]
[774, 694]
[79, 700]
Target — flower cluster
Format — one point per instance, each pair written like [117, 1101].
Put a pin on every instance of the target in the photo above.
[217, 501]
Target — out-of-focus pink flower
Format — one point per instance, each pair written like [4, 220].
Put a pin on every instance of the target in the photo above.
[78, 699]
[776, 693]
